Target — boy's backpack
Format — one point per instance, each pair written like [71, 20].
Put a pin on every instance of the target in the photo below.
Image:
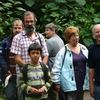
[24, 71]
[44, 68]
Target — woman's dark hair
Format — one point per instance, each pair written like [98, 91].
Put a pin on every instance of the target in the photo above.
[34, 46]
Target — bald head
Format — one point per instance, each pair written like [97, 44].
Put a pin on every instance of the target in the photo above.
[96, 27]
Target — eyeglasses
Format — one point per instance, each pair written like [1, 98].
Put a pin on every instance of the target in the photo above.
[75, 36]
[31, 21]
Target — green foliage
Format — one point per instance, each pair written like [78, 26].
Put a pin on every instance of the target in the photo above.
[79, 13]
[2, 96]
[9, 11]
[29, 3]
[1, 88]
[81, 2]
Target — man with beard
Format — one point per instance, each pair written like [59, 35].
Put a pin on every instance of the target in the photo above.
[22, 41]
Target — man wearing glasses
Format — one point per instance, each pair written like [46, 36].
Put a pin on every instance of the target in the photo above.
[22, 41]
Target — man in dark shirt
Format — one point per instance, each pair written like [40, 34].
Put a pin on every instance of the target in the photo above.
[94, 64]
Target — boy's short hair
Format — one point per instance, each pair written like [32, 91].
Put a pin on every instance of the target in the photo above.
[34, 46]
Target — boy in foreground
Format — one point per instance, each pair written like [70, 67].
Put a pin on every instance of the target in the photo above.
[36, 86]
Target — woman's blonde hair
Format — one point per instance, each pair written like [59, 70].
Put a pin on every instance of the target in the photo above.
[17, 22]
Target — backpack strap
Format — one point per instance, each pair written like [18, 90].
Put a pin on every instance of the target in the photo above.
[45, 70]
[64, 55]
[24, 71]
[39, 39]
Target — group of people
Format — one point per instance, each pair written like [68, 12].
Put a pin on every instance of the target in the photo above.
[66, 69]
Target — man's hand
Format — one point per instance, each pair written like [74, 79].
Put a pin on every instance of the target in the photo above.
[92, 91]
[9, 73]
[91, 81]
